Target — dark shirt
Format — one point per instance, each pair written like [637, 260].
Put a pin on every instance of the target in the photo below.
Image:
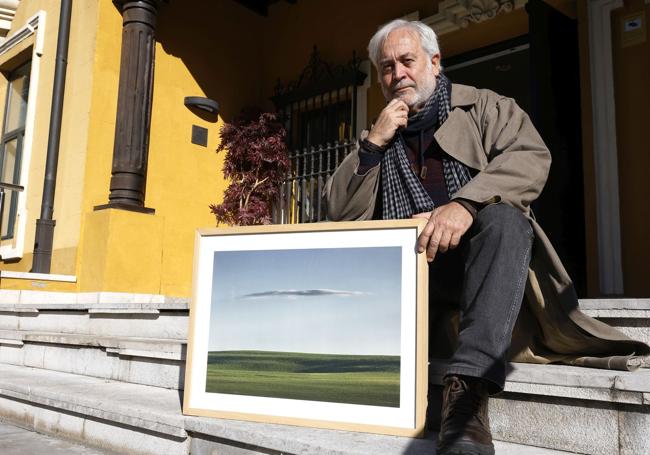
[431, 171]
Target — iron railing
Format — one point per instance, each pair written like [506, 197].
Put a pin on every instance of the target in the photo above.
[300, 198]
[321, 105]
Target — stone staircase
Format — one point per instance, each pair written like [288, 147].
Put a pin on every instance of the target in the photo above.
[105, 369]
[133, 338]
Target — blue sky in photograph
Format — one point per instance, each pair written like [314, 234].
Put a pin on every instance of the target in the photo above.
[330, 300]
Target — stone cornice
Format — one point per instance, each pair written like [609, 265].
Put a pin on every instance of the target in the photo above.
[7, 12]
[457, 14]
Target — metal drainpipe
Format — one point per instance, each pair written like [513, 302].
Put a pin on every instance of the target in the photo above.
[45, 224]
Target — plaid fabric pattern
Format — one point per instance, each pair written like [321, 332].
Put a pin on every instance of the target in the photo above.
[402, 193]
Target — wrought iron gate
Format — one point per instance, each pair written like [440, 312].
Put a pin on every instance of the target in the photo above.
[319, 113]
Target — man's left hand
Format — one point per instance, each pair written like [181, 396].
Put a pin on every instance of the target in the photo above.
[444, 229]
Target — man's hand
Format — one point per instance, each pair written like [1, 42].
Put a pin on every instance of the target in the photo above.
[446, 225]
[393, 116]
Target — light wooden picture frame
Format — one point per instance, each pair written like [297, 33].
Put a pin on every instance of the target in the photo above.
[322, 325]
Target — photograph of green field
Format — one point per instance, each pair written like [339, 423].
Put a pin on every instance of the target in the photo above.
[366, 380]
[317, 324]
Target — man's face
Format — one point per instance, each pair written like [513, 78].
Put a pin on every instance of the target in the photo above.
[405, 70]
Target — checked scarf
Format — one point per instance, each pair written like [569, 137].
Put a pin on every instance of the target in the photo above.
[403, 195]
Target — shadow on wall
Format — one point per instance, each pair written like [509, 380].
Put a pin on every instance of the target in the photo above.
[236, 56]
[218, 45]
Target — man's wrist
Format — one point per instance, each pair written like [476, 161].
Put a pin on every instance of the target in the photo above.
[367, 161]
[372, 147]
[471, 206]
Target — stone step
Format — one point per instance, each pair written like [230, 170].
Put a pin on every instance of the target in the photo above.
[90, 335]
[138, 338]
[158, 316]
[122, 417]
[149, 361]
[630, 316]
[620, 304]
[138, 419]
[18, 441]
[583, 410]
[103, 314]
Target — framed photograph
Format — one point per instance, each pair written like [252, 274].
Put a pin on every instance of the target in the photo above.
[321, 325]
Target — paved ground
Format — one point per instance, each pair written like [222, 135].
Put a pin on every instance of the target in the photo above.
[18, 441]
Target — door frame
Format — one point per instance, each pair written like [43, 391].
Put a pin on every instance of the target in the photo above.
[603, 110]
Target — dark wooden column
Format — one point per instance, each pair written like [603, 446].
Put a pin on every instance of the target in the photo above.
[131, 146]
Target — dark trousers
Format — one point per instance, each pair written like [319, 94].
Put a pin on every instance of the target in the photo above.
[483, 281]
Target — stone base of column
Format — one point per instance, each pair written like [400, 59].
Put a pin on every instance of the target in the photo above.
[121, 251]
[123, 206]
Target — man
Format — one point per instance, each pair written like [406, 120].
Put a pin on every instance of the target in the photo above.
[470, 162]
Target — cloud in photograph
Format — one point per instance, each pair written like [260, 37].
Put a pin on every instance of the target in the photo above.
[292, 293]
[318, 300]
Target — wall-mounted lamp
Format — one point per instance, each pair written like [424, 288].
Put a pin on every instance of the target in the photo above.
[208, 110]
[205, 104]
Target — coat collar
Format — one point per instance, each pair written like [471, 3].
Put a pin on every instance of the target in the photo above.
[463, 95]
[455, 135]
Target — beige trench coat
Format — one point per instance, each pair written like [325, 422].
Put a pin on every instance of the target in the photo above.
[493, 136]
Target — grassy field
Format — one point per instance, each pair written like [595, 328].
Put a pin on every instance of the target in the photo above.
[370, 379]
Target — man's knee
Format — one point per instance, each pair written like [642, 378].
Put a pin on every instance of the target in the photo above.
[504, 221]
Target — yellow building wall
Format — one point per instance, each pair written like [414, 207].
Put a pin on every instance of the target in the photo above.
[134, 252]
[237, 63]
[186, 178]
[116, 250]
[69, 188]
[237, 66]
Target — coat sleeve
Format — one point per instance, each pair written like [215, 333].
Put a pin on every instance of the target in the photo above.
[348, 195]
[518, 161]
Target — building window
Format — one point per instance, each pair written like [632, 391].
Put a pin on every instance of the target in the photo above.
[11, 143]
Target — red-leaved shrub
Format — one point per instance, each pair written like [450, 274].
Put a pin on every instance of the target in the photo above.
[256, 163]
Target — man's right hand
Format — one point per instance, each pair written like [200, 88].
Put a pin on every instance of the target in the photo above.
[392, 117]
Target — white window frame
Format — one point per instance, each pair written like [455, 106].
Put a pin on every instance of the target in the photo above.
[35, 25]
[610, 263]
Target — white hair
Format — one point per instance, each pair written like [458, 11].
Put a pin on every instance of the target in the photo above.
[428, 38]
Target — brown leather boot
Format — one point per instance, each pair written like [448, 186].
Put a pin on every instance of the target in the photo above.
[465, 427]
